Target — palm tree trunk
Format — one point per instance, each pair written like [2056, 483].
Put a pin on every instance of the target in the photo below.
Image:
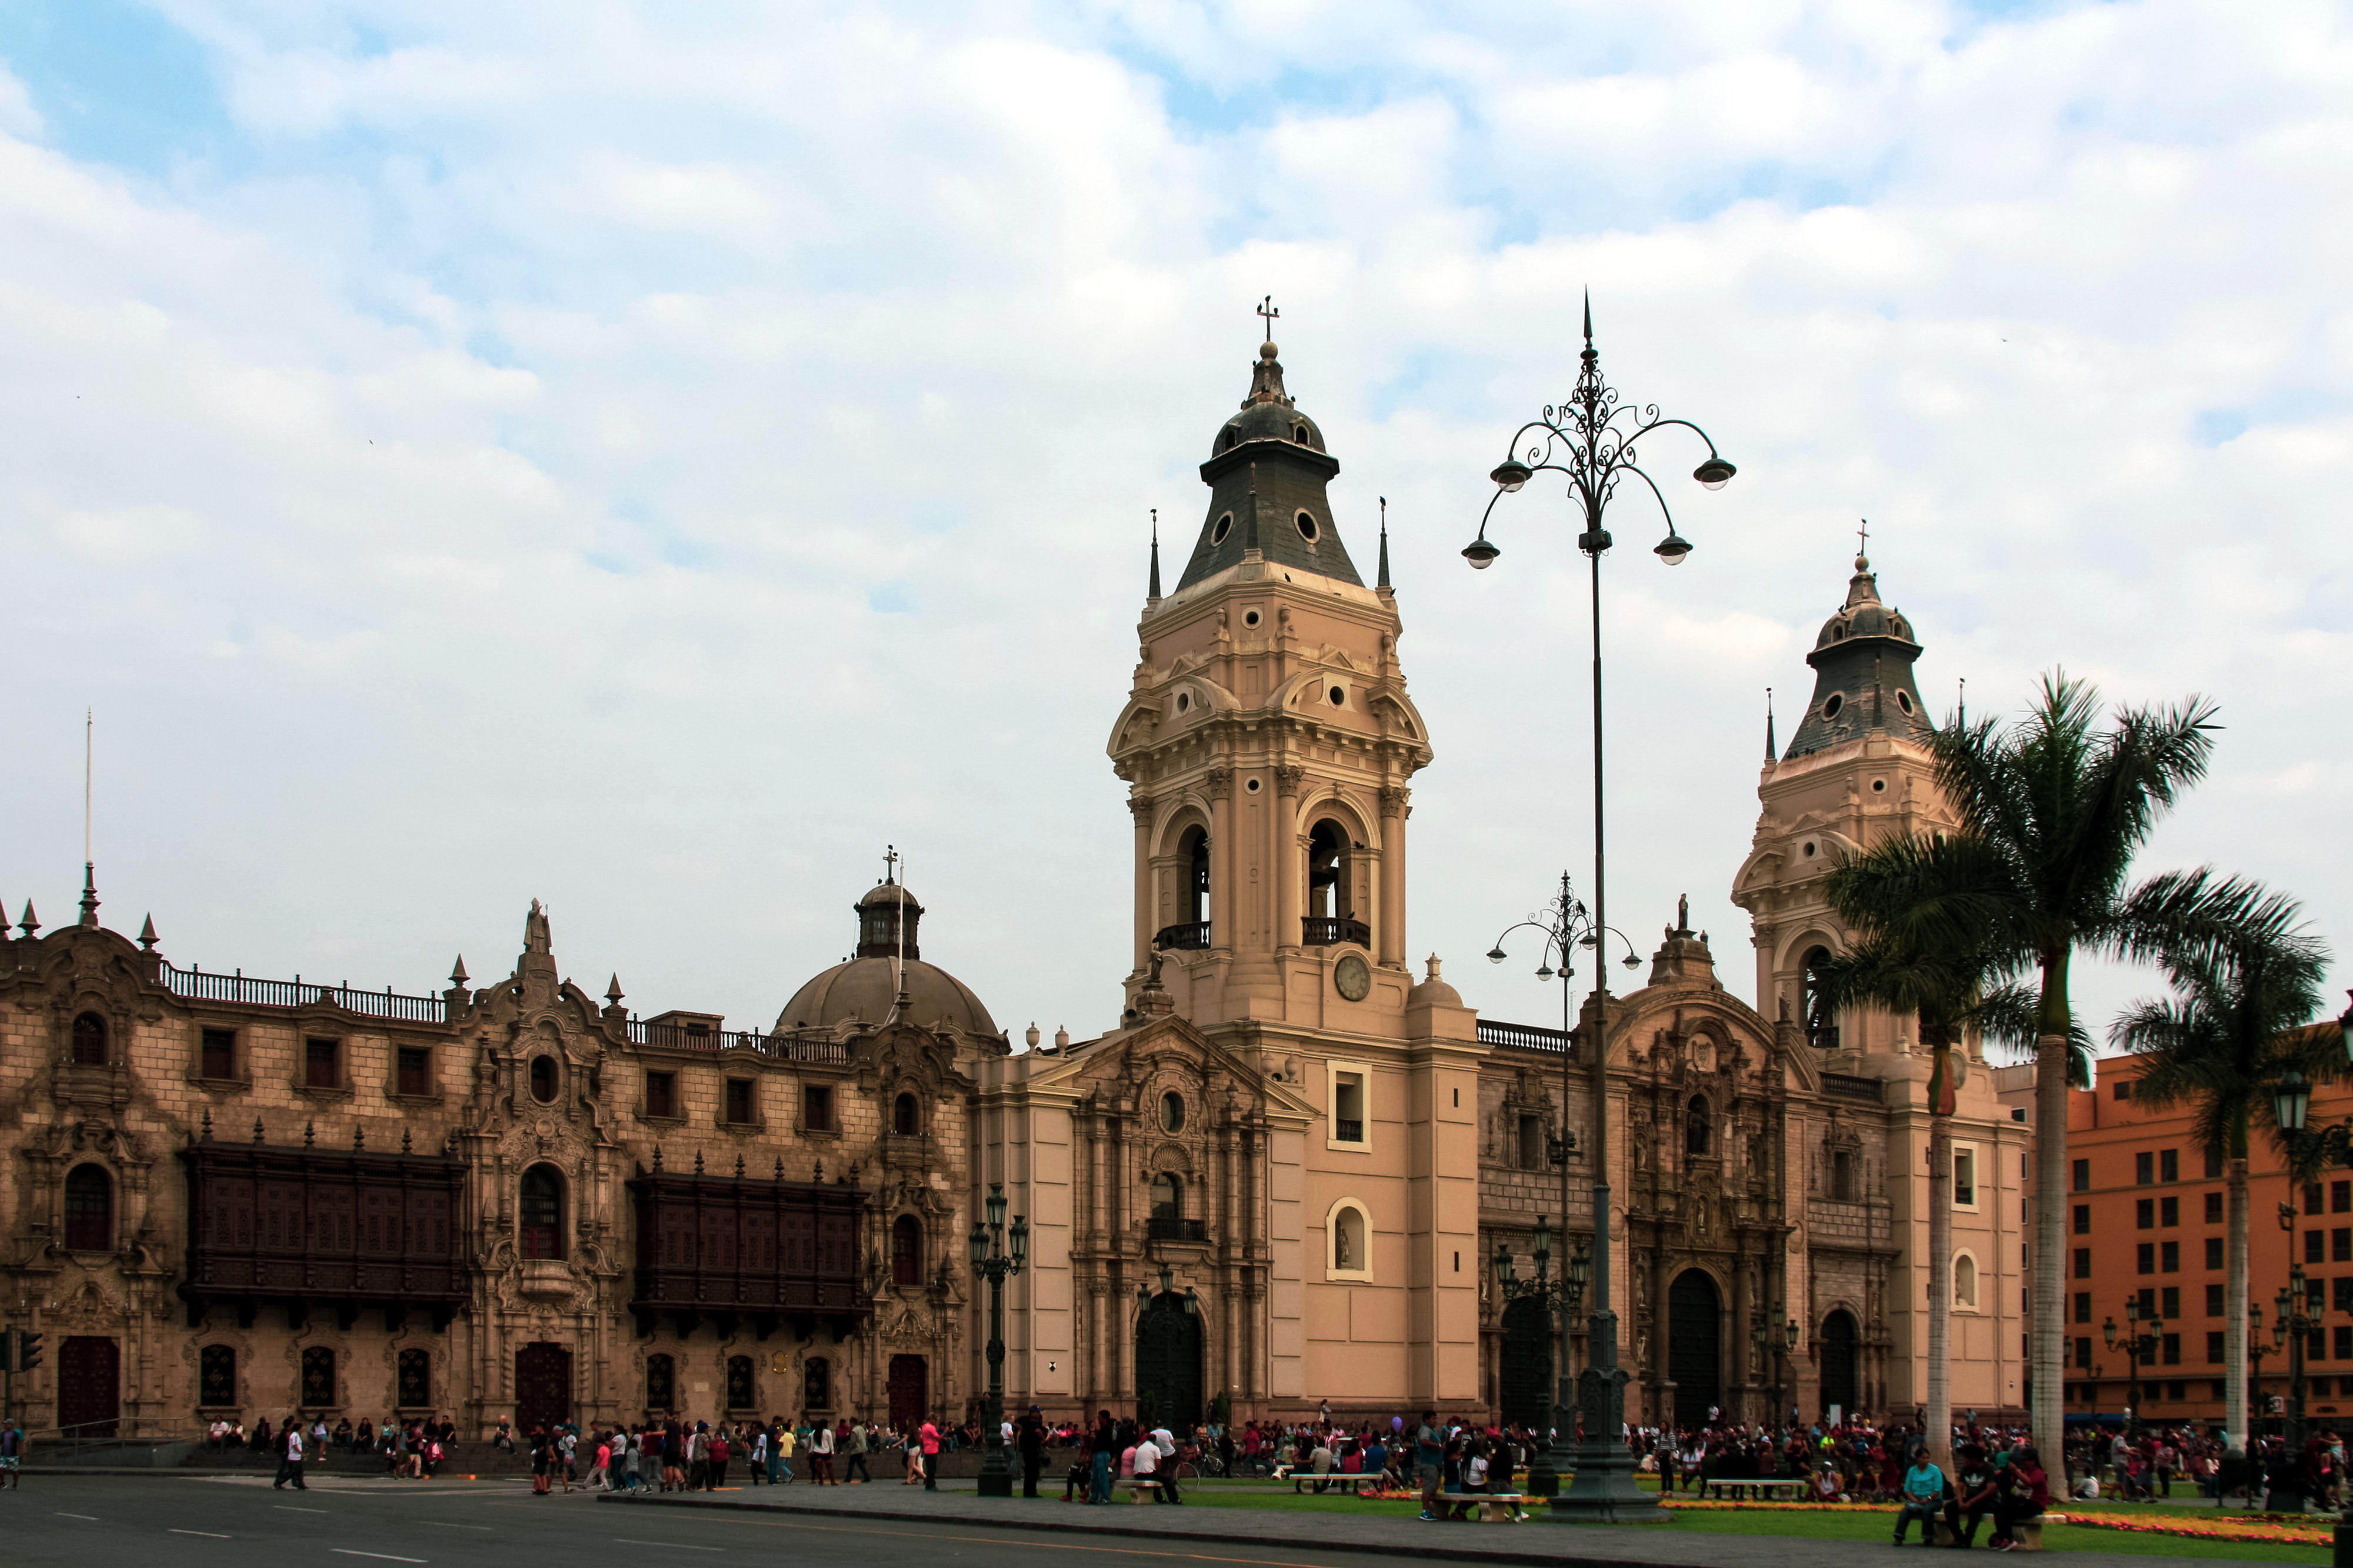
[2235, 1333]
[2050, 1061]
[1938, 1417]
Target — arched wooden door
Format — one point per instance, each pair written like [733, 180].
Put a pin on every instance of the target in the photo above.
[89, 1385]
[543, 1386]
[1169, 1363]
[1525, 1377]
[1694, 1347]
[910, 1391]
[1839, 1337]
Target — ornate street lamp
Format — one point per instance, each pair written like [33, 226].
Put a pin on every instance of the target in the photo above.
[1591, 440]
[1564, 1293]
[992, 1261]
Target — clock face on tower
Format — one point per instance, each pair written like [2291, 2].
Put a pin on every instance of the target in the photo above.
[1353, 978]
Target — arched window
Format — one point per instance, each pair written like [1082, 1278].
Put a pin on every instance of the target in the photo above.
[740, 1393]
[1172, 1113]
[216, 1377]
[1328, 894]
[1820, 1018]
[662, 1384]
[906, 1250]
[817, 1385]
[318, 1378]
[1965, 1281]
[543, 1213]
[1699, 1127]
[1349, 1238]
[905, 1120]
[89, 1040]
[90, 1209]
[1168, 1195]
[412, 1388]
[1196, 847]
[543, 1080]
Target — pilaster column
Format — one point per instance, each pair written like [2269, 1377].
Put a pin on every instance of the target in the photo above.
[1146, 904]
[1226, 859]
[1388, 930]
[1290, 857]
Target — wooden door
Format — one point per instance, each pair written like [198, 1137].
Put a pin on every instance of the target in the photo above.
[543, 1386]
[910, 1391]
[1694, 1348]
[1525, 1377]
[89, 1385]
[1837, 1361]
[1169, 1363]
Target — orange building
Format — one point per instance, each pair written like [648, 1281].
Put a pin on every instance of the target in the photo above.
[2146, 1224]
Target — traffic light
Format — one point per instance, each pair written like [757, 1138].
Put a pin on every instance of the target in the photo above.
[28, 1351]
[8, 1350]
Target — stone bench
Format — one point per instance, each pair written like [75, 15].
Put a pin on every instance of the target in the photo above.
[1305, 1480]
[1140, 1489]
[1757, 1488]
[1494, 1508]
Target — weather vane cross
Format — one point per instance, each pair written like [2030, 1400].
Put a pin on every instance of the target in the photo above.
[1863, 538]
[889, 862]
[1267, 312]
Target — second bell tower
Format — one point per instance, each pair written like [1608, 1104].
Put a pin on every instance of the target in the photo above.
[1268, 742]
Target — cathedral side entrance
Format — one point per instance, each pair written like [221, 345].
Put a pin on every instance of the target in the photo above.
[543, 1386]
[1169, 1362]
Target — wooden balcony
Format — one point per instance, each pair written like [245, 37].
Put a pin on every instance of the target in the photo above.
[727, 1248]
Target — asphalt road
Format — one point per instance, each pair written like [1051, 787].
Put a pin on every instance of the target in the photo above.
[137, 1522]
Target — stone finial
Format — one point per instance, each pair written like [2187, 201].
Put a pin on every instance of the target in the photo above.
[698, 1162]
[613, 993]
[359, 1139]
[147, 938]
[780, 1167]
[404, 1146]
[458, 976]
[656, 1159]
[257, 1129]
[89, 895]
[206, 1135]
[739, 1167]
[310, 1134]
[30, 924]
[1032, 1036]
[818, 1172]
[1062, 1040]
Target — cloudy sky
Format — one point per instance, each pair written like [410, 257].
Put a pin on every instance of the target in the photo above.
[648, 458]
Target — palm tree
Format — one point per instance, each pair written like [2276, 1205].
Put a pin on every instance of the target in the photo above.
[2232, 1025]
[1950, 994]
[2051, 811]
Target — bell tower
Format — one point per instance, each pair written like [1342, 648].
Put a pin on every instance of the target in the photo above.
[1858, 770]
[1268, 744]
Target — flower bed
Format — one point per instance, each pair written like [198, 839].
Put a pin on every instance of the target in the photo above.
[2243, 1528]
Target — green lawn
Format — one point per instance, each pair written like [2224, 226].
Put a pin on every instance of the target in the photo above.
[1824, 1525]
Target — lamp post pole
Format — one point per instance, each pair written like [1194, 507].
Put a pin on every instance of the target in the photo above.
[1567, 1291]
[1591, 440]
[993, 1262]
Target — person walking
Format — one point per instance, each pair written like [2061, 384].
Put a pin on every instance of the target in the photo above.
[784, 1452]
[855, 1470]
[930, 1439]
[755, 1467]
[1033, 1450]
[715, 1453]
[1429, 1462]
[290, 1459]
[1103, 1453]
[11, 1454]
[820, 1453]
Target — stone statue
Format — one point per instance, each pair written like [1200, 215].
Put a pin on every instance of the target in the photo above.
[535, 937]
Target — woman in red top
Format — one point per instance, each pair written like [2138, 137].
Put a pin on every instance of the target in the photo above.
[2025, 1495]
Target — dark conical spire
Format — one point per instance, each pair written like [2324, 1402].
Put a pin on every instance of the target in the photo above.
[1383, 580]
[1771, 751]
[1154, 591]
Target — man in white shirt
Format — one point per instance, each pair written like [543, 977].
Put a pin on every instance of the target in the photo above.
[289, 1464]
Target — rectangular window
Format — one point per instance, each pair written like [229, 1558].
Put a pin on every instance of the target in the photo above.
[2312, 1198]
[2340, 1244]
[2317, 1349]
[2214, 1347]
[321, 1064]
[1532, 1153]
[739, 1102]
[2171, 1297]
[2173, 1352]
[662, 1094]
[2145, 1258]
[2213, 1252]
[2214, 1208]
[2344, 1335]
[218, 1056]
[2082, 1175]
[2171, 1253]
[816, 1107]
[1843, 1174]
[2083, 1263]
[2082, 1306]
[1965, 1178]
[2343, 1290]
[2083, 1352]
[2213, 1300]
[2145, 1215]
[2169, 1165]
[2313, 1247]
[2123, 1089]
[415, 1070]
[2148, 1305]
[2168, 1211]
[2213, 1160]
[2083, 1219]
[1349, 1107]
[2144, 1168]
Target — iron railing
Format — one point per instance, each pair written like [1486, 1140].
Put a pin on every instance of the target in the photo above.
[1522, 1036]
[1190, 935]
[1323, 930]
[783, 1048]
[1171, 1227]
[241, 990]
[1847, 1085]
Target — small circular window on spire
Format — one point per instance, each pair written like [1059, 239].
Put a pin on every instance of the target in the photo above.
[1830, 708]
[1904, 700]
[1222, 527]
[1307, 528]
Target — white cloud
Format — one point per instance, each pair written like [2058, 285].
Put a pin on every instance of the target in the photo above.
[496, 474]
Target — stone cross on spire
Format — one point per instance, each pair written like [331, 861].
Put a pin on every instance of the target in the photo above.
[1266, 312]
[889, 863]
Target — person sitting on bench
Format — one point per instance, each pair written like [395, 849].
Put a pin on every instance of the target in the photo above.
[1924, 1498]
[2025, 1497]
